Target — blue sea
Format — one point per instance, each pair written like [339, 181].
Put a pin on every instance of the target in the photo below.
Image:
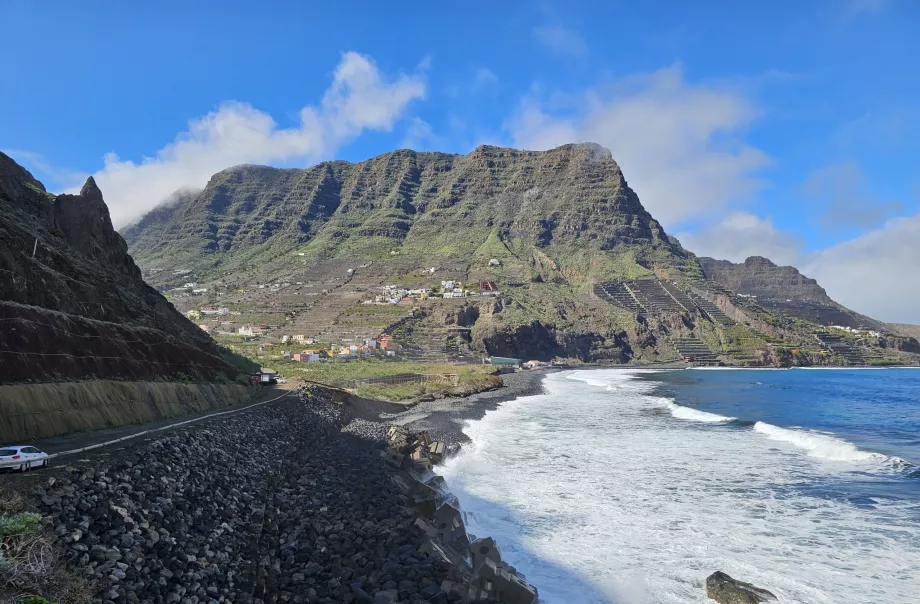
[632, 486]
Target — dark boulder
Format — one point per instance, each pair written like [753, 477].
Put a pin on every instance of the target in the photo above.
[722, 588]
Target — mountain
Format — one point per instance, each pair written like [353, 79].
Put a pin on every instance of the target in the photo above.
[578, 268]
[74, 306]
[759, 277]
[785, 289]
[434, 206]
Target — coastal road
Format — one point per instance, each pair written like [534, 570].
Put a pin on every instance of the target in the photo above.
[72, 444]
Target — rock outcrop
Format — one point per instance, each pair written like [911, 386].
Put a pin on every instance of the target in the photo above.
[73, 304]
[725, 590]
[476, 570]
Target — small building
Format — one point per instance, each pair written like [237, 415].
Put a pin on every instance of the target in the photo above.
[385, 341]
[285, 339]
[449, 285]
[505, 361]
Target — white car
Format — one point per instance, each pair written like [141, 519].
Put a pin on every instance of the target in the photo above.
[22, 458]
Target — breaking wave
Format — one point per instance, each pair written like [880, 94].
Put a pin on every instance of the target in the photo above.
[689, 413]
[598, 500]
[820, 445]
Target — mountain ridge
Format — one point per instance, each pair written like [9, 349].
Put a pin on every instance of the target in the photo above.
[578, 267]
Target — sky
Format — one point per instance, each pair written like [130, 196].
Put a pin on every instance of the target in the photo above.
[785, 129]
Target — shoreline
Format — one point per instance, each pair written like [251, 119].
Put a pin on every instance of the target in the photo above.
[443, 418]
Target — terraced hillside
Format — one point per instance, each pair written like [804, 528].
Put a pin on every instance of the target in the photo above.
[579, 268]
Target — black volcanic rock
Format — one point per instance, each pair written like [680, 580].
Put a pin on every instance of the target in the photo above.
[726, 590]
[68, 285]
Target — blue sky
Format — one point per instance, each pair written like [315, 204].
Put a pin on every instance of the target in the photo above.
[787, 129]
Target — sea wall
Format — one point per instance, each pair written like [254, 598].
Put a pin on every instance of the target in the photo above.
[33, 411]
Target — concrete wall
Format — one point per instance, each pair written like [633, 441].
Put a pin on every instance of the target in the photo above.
[33, 411]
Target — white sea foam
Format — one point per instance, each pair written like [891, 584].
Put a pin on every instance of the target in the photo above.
[819, 445]
[597, 497]
[689, 413]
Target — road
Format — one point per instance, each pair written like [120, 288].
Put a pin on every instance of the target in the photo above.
[72, 444]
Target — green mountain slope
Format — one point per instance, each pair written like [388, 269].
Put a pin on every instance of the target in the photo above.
[571, 203]
[582, 270]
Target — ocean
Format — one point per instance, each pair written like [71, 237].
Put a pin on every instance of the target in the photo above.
[632, 486]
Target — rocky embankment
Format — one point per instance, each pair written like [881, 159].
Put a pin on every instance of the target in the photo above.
[477, 572]
[288, 503]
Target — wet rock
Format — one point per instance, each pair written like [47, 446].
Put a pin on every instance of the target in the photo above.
[726, 590]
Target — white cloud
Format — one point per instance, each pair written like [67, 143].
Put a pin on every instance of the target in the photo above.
[839, 192]
[561, 40]
[741, 235]
[359, 98]
[678, 143]
[875, 273]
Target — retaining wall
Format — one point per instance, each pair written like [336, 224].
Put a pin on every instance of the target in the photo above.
[34, 411]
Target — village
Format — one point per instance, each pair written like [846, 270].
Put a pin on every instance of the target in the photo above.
[275, 339]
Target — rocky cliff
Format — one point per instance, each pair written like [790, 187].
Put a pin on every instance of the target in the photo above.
[433, 206]
[758, 276]
[574, 265]
[73, 304]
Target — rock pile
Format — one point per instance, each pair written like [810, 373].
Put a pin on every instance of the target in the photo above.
[275, 505]
[725, 590]
[477, 573]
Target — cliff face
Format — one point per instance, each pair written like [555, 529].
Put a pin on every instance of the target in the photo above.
[428, 205]
[758, 276]
[73, 303]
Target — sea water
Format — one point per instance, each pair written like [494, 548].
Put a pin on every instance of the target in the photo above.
[632, 486]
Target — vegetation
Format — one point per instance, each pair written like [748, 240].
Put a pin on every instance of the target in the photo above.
[31, 571]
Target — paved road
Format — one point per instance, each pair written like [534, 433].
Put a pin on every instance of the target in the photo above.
[69, 444]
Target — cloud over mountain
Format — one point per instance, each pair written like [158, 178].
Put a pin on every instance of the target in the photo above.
[678, 142]
[360, 98]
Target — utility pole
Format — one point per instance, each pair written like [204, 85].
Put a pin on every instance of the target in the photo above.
[35, 248]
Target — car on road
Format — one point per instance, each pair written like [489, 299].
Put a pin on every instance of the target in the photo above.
[22, 458]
